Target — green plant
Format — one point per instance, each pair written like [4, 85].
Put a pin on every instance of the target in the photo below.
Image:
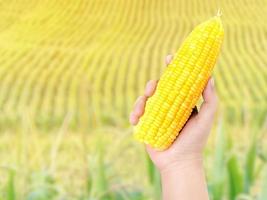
[216, 184]
[153, 178]
[10, 187]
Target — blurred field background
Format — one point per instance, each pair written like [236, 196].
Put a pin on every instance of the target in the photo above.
[70, 71]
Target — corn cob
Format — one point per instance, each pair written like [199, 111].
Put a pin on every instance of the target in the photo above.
[180, 86]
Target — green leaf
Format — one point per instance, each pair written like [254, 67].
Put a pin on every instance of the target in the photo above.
[128, 195]
[150, 169]
[250, 166]
[43, 186]
[235, 177]
[154, 178]
[263, 195]
[100, 184]
[10, 189]
[89, 182]
[218, 176]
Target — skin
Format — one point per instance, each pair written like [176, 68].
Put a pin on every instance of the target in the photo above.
[181, 165]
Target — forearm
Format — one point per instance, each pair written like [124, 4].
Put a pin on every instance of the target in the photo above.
[184, 181]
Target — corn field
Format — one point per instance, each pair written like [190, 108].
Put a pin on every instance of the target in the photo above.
[70, 71]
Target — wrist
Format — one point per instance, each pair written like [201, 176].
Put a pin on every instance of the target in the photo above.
[181, 167]
[180, 179]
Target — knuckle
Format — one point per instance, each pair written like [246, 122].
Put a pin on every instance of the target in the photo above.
[150, 82]
[137, 100]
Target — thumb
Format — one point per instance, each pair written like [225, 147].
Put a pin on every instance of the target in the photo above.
[209, 106]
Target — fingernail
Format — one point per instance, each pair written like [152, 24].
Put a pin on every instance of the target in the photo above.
[212, 83]
[132, 119]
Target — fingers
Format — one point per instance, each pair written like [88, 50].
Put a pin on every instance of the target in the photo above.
[140, 103]
[150, 88]
[209, 106]
[138, 110]
[168, 59]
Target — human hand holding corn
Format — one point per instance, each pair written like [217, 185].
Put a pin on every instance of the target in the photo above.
[163, 114]
[194, 134]
[182, 161]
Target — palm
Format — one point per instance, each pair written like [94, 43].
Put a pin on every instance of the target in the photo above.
[187, 146]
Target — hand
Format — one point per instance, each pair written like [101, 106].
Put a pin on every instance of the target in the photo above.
[188, 147]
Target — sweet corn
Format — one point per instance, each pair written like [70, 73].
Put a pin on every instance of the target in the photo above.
[180, 86]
